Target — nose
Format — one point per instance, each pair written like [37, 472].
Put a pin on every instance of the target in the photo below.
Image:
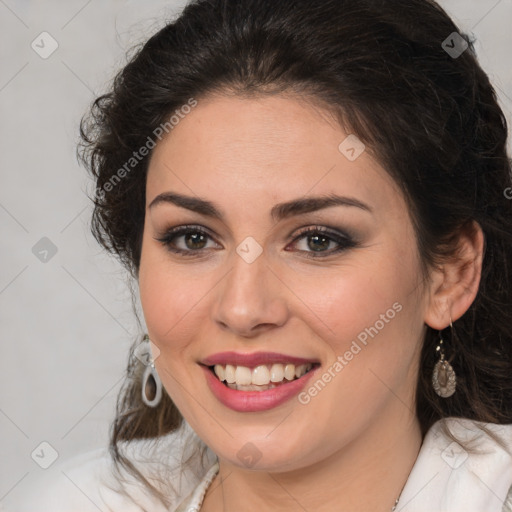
[251, 298]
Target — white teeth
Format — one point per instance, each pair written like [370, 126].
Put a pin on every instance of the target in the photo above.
[300, 370]
[260, 375]
[277, 373]
[243, 375]
[263, 375]
[229, 374]
[289, 371]
[220, 371]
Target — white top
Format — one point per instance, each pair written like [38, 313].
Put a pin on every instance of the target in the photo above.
[444, 478]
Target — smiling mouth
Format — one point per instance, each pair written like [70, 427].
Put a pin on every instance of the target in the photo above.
[260, 378]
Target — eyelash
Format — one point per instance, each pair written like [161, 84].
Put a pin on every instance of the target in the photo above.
[343, 240]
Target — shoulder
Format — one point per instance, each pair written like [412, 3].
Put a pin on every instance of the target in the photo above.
[84, 483]
[489, 442]
[467, 471]
[89, 482]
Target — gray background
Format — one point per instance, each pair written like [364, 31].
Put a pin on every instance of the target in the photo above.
[67, 323]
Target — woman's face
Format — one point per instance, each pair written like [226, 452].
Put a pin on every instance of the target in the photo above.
[254, 282]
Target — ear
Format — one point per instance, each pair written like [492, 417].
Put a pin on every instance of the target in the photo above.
[454, 286]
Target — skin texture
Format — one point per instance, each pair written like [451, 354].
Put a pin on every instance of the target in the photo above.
[360, 432]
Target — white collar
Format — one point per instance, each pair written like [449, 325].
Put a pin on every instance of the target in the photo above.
[446, 478]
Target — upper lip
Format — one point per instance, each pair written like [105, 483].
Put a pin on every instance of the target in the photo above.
[254, 359]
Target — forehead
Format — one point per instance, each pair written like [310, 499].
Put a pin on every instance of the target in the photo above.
[262, 148]
[263, 130]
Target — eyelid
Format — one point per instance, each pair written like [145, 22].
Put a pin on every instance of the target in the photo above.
[306, 229]
[322, 229]
[184, 227]
[178, 231]
[344, 240]
[341, 237]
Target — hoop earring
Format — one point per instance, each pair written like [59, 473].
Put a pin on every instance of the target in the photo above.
[151, 383]
[444, 380]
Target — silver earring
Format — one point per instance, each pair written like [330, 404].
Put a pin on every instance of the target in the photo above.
[151, 383]
[444, 380]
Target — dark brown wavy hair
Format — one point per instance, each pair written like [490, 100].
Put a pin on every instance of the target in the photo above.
[430, 118]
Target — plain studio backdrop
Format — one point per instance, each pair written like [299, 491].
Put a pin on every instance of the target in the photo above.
[65, 310]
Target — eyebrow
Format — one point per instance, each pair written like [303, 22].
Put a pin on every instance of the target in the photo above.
[278, 212]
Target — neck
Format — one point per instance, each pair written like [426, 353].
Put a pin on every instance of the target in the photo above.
[368, 474]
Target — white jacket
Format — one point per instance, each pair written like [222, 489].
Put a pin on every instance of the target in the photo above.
[444, 478]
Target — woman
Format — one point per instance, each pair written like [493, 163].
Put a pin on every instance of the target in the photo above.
[312, 199]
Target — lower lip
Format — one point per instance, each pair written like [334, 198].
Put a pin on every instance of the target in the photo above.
[253, 401]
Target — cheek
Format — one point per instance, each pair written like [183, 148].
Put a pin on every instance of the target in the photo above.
[173, 298]
[163, 296]
[345, 301]
[368, 313]
[372, 324]
[168, 302]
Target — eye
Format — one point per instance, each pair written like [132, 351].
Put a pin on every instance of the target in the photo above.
[193, 240]
[317, 239]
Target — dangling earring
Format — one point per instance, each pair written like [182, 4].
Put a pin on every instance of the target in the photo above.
[151, 383]
[443, 378]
